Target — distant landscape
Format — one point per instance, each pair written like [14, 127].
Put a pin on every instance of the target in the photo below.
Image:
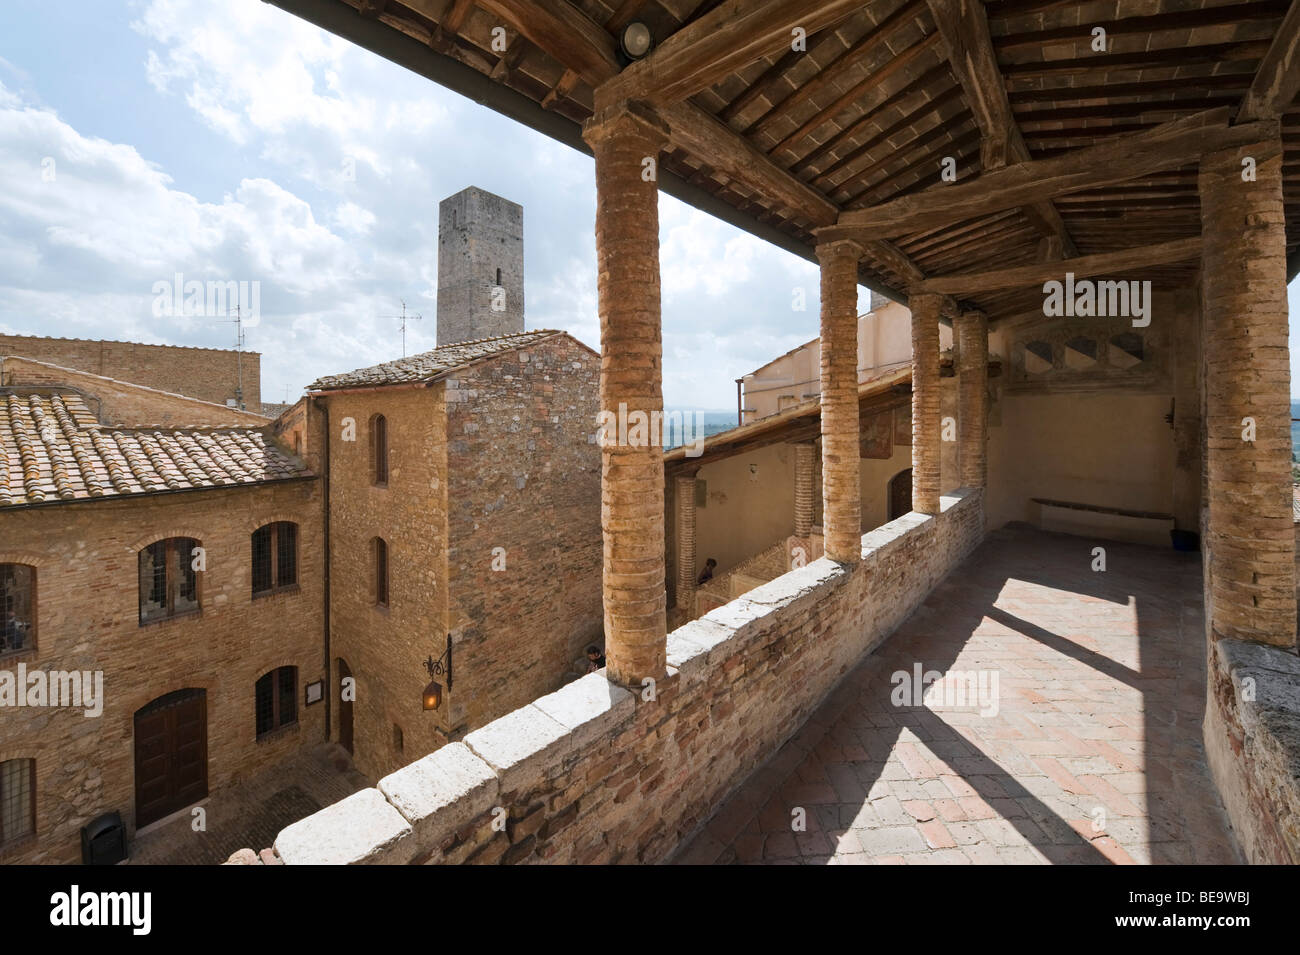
[713, 422]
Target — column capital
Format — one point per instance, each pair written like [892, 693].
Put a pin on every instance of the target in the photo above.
[831, 244]
[630, 118]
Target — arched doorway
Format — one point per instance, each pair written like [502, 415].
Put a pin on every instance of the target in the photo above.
[347, 692]
[171, 754]
[900, 494]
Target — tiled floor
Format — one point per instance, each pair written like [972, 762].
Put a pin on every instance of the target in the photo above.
[1092, 753]
[251, 814]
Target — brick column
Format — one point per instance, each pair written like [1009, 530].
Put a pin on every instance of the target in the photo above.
[1250, 555]
[972, 396]
[684, 494]
[631, 372]
[803, 488]
[926, 435]
[841, 456]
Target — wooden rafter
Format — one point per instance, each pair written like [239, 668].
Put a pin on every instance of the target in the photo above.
[1278, 79]
[1125, 260]
[563, 31]
[728, 38]
[965, 31]
[1118, 159]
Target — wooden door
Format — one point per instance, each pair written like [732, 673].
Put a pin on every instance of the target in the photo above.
[900, 494]
[171, 754]
[345, 706]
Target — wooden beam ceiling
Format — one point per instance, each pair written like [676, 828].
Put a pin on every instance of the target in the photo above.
[1278, 79]
[1124, 260]
[965, 31]
[1118, 159]
[728, 38]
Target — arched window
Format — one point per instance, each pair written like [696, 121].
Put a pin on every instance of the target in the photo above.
[17, 799]
[17, 608]
[275, 557]
[498, 276]
[380, 548]
[379, 450]
[277, 699]
[169, 582]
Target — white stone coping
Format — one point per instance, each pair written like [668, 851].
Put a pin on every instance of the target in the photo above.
[357, 829]
[441, 792]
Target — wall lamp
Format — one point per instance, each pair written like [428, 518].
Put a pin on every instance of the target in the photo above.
[635, 40]
[435, 668]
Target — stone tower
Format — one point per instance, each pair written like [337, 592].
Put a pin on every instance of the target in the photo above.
[480, 266]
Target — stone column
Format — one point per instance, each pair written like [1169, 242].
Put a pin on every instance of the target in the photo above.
[841, 457]
[623, 138]
[1250, 546]
[926, 435]
[803, 488]
[972, 394]
[684, 495]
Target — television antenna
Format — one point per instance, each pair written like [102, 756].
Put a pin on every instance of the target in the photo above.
[238, 322]
[404, 318]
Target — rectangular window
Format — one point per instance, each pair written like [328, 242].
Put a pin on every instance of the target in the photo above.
[277, 699]
[275, 557]
[169, 585]
[262, 560]
[381, 572]
[286, 554]
[17, 799]
[17, 608]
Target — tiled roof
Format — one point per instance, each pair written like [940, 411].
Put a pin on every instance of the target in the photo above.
[52, 448]
[429, 364]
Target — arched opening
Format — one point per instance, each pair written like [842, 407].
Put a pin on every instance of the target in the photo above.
[900, 494]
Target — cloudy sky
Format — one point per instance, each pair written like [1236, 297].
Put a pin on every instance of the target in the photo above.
[141, 139]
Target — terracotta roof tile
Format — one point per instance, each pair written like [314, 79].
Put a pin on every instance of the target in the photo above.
[51, 448]
[429, 364]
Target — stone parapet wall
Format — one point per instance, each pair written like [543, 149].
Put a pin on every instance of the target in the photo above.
[596, 773]
[1253, 746]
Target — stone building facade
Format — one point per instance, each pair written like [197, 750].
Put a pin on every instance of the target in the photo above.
[95, 522]
[209, 374]
[484, 515]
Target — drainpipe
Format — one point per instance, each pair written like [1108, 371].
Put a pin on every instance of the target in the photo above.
[329, 691]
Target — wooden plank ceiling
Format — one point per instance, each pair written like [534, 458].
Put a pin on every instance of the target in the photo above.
[885, 91]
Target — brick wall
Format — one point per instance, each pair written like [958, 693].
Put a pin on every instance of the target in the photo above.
[524, 476]
[592, 774]
[127, 404]
[88, 619]
[384, 647]
[210, 374]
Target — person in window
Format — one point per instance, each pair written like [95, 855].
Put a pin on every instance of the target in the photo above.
[707, 573]
[12, 632]
[595, 658]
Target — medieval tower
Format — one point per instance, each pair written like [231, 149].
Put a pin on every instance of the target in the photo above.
[480, 266]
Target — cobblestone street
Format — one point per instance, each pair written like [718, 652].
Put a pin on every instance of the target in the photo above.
[251, 814]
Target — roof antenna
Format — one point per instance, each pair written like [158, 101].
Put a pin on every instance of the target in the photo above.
[404, 318]
[238, 322]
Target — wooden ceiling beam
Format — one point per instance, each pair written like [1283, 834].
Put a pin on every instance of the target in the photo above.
[723, 41]
[564, 32]
[1125, 260]
[965, 31]
[1278, 79]
[1118, 159]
